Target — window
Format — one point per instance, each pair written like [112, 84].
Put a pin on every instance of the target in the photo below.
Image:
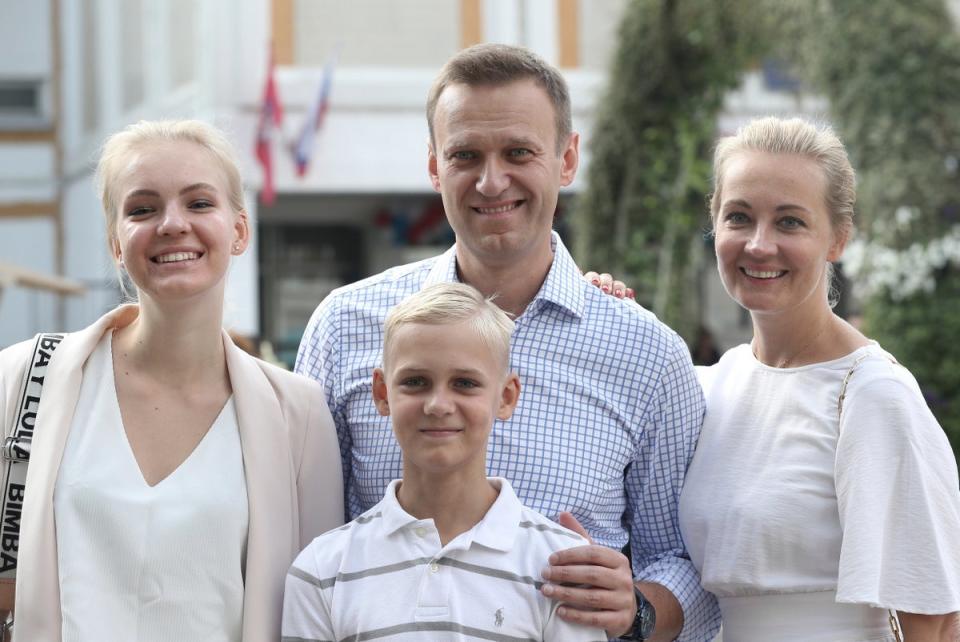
[23, 104]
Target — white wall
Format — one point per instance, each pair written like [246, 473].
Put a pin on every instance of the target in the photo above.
[412, 33]
[27, 170]
[27, 243]
[207, 77]
[24, 38]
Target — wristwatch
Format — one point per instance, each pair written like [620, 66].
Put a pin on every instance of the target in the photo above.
[644, 621]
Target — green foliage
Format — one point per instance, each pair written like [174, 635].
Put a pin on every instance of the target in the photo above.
[922, 332]
[643, 211]
[891, 71]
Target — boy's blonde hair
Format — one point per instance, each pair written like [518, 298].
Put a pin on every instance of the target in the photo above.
[450, 303]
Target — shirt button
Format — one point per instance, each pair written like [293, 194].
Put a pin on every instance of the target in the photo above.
[420, 531]
[434, 567]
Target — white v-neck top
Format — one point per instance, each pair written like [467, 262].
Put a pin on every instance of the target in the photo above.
[142, 563]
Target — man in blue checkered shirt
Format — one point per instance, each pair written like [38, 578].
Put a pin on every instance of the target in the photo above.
[610, 410]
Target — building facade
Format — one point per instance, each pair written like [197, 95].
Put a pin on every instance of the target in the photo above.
[73, 71]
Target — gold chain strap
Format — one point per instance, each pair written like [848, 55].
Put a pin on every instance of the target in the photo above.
[895, 627]
[846, 380]
[894, 623]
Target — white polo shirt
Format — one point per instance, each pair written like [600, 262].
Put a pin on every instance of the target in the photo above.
[385, 576]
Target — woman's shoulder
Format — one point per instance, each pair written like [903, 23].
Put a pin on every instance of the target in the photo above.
[14, 363]
[732, 359]
[15, 357]
[286, 380]
[883, 401]
[296, 394]
[875, 372]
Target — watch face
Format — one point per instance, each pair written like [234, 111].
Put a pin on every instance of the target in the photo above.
[646, 619]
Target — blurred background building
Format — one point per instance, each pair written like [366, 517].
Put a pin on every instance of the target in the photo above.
[73, 71]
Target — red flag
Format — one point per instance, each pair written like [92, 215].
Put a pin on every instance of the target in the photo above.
[271, 115]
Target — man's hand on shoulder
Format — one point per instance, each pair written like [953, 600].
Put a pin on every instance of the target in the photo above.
[593, 583]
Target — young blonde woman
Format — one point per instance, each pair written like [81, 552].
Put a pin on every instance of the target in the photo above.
[823, 496]
[173, 477]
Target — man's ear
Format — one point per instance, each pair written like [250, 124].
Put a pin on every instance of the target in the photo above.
[509, 396]
[571, 159]
[379, 390]
[432, 167]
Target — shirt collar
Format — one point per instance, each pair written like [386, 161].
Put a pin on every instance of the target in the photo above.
[497, 530]
[444, 269]
[393, 515]
[563, 285]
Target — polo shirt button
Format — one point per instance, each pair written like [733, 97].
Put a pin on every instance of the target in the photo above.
[434, 567]
[420, 531]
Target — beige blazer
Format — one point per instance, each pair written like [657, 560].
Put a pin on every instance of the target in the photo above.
[290, 457]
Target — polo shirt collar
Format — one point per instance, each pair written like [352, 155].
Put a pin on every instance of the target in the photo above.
[562, 287]
[497, 530]
[392, 513]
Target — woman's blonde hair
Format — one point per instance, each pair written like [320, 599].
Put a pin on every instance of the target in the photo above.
[450, 303]
[775, 135]
[118, 147]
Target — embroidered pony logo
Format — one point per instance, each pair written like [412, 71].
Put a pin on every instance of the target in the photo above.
[498, 617]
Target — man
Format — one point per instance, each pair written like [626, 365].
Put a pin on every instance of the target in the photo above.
[611, 409]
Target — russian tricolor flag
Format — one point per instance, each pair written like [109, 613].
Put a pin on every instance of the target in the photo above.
[303, 148]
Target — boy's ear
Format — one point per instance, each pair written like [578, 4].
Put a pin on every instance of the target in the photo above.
[509, 396]
[380, 392]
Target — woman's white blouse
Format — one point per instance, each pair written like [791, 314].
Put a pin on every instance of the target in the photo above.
[140, 563]
[784, 498]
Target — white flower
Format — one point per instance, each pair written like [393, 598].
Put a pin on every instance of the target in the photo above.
[874, 267]
[903, 216]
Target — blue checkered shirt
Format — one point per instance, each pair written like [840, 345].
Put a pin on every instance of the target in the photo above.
[608, 418]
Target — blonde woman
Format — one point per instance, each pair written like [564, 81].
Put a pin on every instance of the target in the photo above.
[173, 477]
[823, 496]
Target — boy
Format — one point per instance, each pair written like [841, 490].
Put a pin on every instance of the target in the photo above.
[448, 554]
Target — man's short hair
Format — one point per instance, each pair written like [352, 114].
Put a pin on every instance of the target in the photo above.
[451, 303]
[492, 64]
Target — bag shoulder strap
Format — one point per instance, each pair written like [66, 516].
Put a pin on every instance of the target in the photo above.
[846, 378]
[15, 450]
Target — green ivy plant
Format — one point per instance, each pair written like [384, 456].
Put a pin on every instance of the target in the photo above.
[891, 71]
[642, 214]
